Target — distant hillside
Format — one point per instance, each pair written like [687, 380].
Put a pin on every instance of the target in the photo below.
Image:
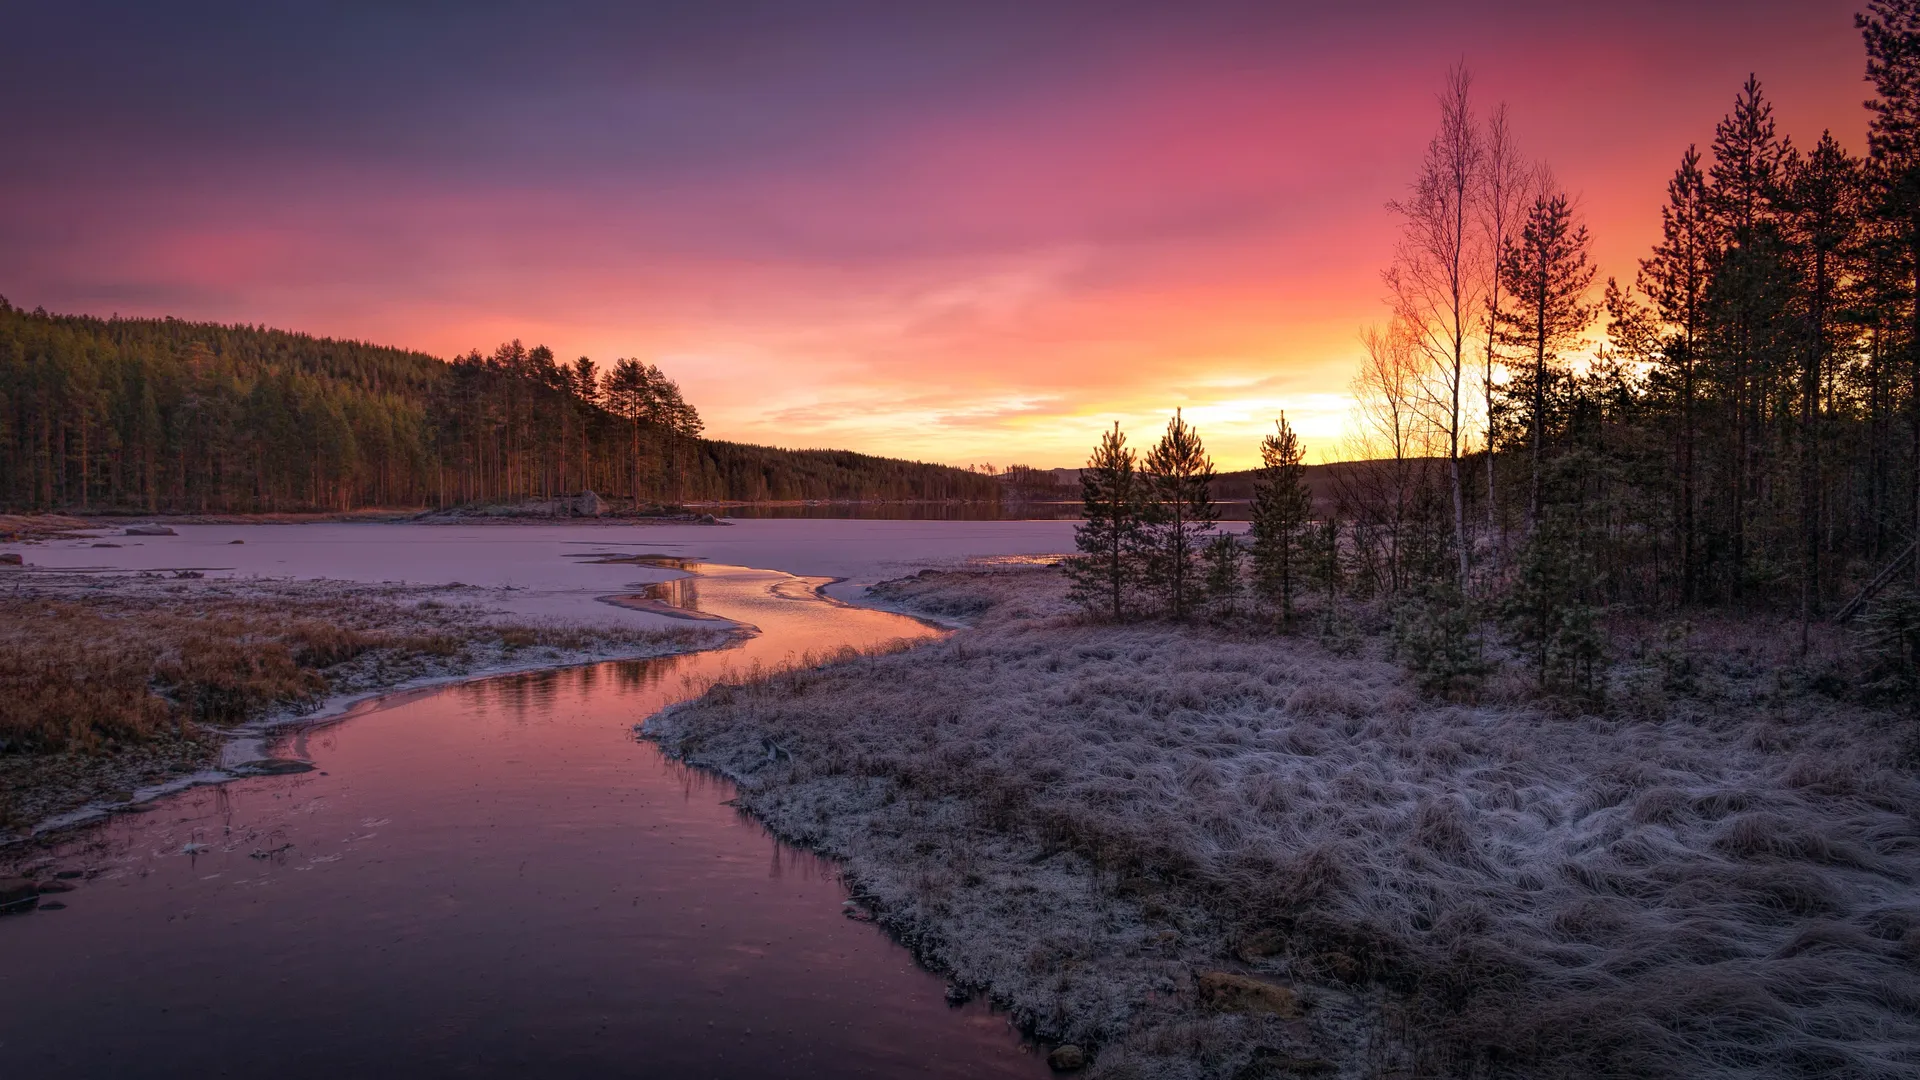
[165, 415]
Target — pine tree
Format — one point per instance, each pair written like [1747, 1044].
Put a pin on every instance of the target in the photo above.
[1676, 278]
[1110, 539]
[1891, 30]
[1548, 614]
[1746, 303]
[1547, 277]
[1223, 556]
[1282, 506]
[1821, 203]
[1181, 514]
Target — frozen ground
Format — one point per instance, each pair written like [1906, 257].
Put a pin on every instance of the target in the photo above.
[1098, 825]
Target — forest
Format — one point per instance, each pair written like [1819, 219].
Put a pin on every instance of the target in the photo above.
[155, 415]
[1733, 424]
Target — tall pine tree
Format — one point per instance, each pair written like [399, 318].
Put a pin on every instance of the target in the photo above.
[1110, 539]
[1282, 508]
[1181, 514]
[1547, 278]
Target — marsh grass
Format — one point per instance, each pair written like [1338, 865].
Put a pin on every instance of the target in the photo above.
[1084, 818]
[107, 681]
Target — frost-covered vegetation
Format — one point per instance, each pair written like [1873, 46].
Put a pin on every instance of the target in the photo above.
[1712, 873]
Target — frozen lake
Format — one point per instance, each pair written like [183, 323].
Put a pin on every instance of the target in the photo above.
[544, 563]
[497, 878]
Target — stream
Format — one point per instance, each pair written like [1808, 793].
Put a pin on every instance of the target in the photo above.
[493, 878]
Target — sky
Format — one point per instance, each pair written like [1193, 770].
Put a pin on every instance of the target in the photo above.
[975, 232]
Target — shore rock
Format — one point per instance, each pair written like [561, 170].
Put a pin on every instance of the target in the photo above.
[1067, 1058]
[17, 893]
[148, 530]
[273, 767]
[1228, 992]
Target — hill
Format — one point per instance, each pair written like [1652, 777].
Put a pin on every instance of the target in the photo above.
[168, 415]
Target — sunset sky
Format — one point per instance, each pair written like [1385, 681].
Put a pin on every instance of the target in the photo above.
[962, 232]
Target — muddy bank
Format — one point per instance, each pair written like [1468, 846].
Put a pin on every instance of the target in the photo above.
[1207, 854]
[116, 686]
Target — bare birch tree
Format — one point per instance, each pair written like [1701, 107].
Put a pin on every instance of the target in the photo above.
[1388, 448]
[1506, 186]
[1438, 279]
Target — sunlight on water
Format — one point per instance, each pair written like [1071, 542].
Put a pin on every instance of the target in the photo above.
[490, 879]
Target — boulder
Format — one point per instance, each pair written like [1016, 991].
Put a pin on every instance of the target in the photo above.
[1227, 992]
[17, 893]
[272, 767]
[148, 530]
[1067, 1058]
[11, 558]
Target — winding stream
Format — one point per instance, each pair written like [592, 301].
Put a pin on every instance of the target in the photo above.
[490, 879]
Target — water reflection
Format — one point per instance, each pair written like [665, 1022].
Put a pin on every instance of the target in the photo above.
[494, 879]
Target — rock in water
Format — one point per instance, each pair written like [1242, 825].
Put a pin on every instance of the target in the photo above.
[17, 893]
[272, 767]
[958, 995]
[11, 558]
[1228, 992]
[149, 530]
[1067, 1058]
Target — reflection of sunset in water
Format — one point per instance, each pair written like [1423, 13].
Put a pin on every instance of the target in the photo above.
[489, 877]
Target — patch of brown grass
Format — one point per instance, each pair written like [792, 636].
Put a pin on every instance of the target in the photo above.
[81, 676]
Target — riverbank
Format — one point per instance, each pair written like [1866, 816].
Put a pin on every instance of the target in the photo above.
[116, 686]
[1205, 853]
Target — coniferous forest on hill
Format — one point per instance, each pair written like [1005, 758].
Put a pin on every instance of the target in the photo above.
[166, 415]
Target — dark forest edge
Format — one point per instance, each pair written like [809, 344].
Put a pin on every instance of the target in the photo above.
[163, 415]
[1744, 436]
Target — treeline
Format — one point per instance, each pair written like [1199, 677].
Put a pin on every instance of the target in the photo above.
[1736, 424]
[165, 415]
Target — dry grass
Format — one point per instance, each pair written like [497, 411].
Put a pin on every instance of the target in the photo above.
[29, 527]
[97, 666]
[1085, 819]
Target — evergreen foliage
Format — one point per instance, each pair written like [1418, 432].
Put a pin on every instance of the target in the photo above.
[1110, 538]
[1547, 277]
[1281, 509]
[1548, 615]
[1436, 634]
[1180, 515]
[160, 414]
[1890, 638]
[1223, 556]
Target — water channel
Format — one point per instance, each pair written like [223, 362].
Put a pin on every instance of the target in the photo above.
[490, 879]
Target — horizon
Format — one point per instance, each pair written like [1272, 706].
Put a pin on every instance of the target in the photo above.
[985, 242]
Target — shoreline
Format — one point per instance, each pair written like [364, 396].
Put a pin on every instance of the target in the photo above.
[235, 762]
[317, 649]
[1176, 844]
